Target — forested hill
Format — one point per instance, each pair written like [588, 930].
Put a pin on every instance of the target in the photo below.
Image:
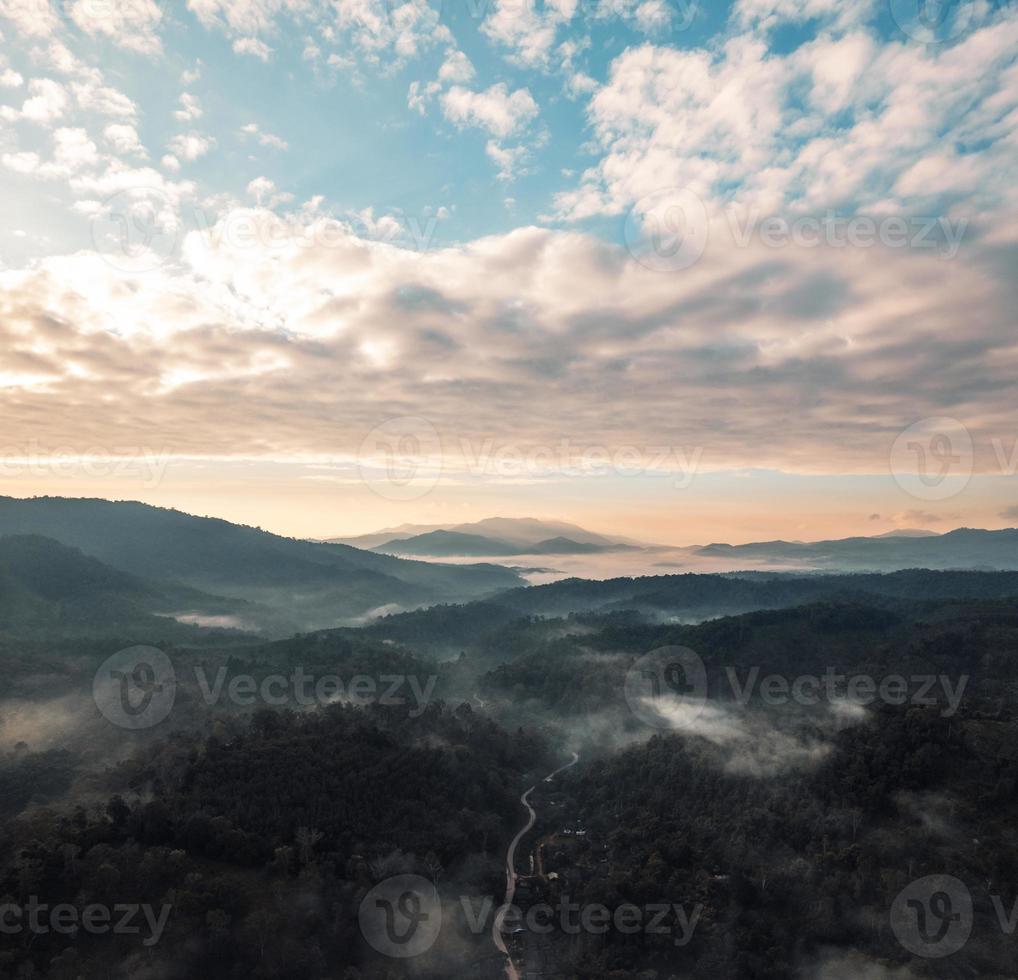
[309, 584]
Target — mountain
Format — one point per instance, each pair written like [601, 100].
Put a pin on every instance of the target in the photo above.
[521, 533]
[49, 589]
[961, 548]
[447, 543]
[568, 546]
[907, 532]
[494, 628]
[304, 584]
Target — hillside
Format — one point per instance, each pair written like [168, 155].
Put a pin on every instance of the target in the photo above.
[308, 585]
[49, 590]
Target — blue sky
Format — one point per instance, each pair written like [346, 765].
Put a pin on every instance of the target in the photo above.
[773, 235]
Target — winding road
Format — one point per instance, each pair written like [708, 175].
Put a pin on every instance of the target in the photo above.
[510, 871]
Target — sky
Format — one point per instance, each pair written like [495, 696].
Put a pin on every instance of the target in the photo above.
[682, 271]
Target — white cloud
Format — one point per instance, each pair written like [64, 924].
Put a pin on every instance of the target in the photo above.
[170, 162]
[265, 194]
[93, 96]
[11, 79]
[130, 25]
[509, 159]
[190, 108]
[46, 102]
[375, 29]
[767, 14]
[24, 162]
[744, 117]
[456, 68]
[73, 150]
[551, 325]
[36, 18]
[496, 109]
[266, 139]
[123, 137]
[252, 46]
[190, 146]
[529, 30]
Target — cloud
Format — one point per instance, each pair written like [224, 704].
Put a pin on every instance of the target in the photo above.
[11, 79]
[93, 96]
[123, 137]
[523, 337]
[1010, 513]
[252, 46]
[921, 518]
[496, 109]
[838, 122]
[376, 30]
[47, 101]
[529, 30]
[190, 146]
[456, 68]
[265, 139]
[35, 18]
[190, 108]
[752, 743]
[130, 25]
[264, 192]
[508, 159]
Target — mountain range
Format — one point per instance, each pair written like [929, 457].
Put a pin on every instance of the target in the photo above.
[491, 537]
[971, 548]
[291, 584]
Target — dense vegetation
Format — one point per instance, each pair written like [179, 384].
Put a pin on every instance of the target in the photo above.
[791, 828]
